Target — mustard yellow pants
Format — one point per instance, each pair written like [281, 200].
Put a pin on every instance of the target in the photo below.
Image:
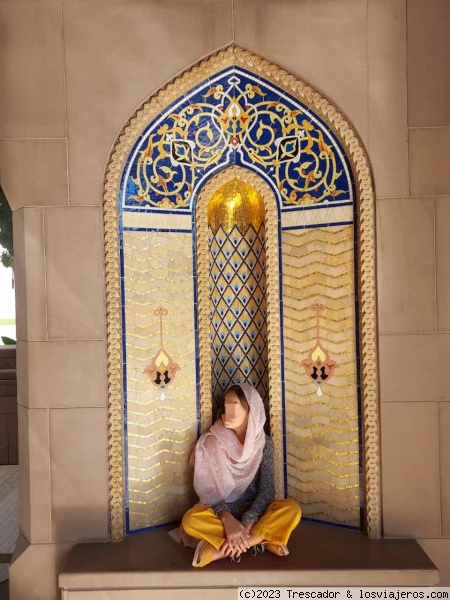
[275, 526]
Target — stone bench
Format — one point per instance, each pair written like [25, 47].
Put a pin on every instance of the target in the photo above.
[151, 566]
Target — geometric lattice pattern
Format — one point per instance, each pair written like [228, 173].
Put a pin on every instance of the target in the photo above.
[160, 434]
[238, 309]
[322, 432]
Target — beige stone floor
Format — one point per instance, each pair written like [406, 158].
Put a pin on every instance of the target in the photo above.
[9, 513]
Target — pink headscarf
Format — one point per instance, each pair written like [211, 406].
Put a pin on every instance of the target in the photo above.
[224, 468]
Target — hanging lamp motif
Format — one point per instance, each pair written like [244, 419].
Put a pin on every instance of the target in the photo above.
[319, 366]
[162, 369]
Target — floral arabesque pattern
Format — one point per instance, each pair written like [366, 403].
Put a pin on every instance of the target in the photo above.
[236, 119]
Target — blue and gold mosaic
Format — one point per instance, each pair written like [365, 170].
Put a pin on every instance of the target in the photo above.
[235, 118]
[304, 266]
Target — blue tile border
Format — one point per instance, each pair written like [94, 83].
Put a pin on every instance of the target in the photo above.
[157, 230]
[316, 225]
[330, 524]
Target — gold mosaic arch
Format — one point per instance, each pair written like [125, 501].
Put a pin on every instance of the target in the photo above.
[234, 55]
[273, 309]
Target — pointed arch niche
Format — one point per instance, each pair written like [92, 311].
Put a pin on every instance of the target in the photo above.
[239, 237]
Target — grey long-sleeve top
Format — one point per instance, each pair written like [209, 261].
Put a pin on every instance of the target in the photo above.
[259, 494]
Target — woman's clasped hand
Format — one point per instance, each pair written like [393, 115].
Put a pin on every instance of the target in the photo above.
[237, 535]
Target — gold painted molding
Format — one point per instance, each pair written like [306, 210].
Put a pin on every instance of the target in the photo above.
[273, 305]
[233, 55]
[114, 364]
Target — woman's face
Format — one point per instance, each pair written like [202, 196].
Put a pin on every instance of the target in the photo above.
[235, 415]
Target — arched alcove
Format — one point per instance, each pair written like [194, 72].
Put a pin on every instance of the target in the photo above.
[237, 116]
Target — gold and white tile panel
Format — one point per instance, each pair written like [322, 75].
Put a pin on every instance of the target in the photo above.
[317, 216]
[145, 220]
[322, 432]
[161, 433]
[289, 218]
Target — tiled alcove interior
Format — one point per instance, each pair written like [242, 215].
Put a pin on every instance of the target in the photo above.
[223, 113]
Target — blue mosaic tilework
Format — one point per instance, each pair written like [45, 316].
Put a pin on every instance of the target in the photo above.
[236, 118]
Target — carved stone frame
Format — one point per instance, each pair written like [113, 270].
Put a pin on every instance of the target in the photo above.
[365, 227]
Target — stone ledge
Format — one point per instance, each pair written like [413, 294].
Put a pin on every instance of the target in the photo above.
[7, 357]
[8, 375]
[8, 351]
[8, 387]
[8, 405]
[320, 555]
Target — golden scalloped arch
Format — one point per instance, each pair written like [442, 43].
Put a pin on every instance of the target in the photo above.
[234, 55]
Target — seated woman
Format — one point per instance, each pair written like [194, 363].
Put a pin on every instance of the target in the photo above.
[234, 479]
